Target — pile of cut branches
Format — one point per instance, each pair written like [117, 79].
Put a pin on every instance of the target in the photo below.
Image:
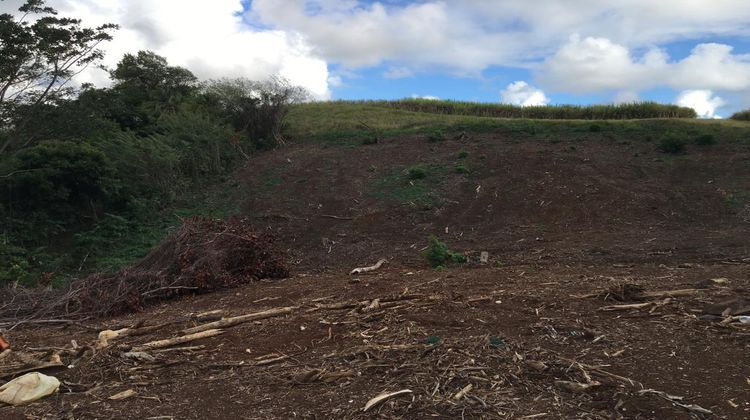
[204, 255]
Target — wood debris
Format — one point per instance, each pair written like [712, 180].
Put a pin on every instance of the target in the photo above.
[383, 397]
[374, 267]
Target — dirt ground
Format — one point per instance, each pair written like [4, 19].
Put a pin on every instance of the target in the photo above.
[539, 332]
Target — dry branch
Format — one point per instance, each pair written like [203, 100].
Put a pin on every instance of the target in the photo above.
[361, 270]
[230, 322]
[177, 340]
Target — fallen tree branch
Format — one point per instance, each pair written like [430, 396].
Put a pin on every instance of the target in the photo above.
[230, 322]
[177, 340]
[678, 401]
[368, 269]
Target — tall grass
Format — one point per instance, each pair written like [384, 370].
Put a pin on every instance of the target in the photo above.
[639, 110]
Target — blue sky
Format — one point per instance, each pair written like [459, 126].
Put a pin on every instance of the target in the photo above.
[692, 52]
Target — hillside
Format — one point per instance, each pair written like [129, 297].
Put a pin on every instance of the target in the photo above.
[524, 190]
[580, 218]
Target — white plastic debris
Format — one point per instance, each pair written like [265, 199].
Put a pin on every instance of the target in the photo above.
[27, 388]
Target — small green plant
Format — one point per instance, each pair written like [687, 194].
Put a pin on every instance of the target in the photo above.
[370, 140]
[463, 154]
[595, 128]
[433, 340]
[417, 172]
[436, 136]
[705, 140]
[372, 168]
[497, 342]
[671, 145]
[461, 169]
[439, 256]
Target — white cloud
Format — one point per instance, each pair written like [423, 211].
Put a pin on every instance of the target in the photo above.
[209, 38]
[595, 64]
[471, 35]
[704, 102]
[398, 73]
[626, 97]
[427, 97]
[523, 94]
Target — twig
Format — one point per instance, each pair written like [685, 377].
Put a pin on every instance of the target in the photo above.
[329, 216]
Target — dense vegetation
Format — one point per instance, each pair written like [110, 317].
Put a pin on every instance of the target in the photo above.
[640, 110]
[83, 172]
[741, 115]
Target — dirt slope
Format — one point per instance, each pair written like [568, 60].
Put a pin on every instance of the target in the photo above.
[591, 199]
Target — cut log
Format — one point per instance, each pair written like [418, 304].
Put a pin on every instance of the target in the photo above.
[177, 340]
[230, 322]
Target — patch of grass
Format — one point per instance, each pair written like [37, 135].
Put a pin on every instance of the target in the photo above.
[423, 192]
[438, 254]
[436, 136]
[417, 172]
[671, 145]
[370, 140]
[463, 154]
[461, 169]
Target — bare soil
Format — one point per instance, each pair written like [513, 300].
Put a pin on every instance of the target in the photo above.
[564, 228]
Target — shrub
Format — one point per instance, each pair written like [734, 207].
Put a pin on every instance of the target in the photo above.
[417, 172]
[438, 254]
[671, 145]
[741, 116]
[57, 184]
[705, 140]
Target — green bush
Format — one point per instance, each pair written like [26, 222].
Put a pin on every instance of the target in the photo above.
[438, 254]
[56, 185]
[417, 172]
[671, 145]
[14, 265]
[705, 140]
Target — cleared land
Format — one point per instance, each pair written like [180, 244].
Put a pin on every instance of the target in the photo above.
[578, 217]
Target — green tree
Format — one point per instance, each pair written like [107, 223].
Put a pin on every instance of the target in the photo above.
[145, 86]
[41, 53]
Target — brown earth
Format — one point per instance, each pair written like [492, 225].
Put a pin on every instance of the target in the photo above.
[563, 222]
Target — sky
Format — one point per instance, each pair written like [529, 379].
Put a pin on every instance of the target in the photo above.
[694, 53]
